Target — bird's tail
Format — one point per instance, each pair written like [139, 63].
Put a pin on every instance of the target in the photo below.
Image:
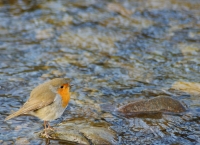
[15, 114]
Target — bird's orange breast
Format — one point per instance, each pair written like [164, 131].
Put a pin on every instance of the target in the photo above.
[64, 92]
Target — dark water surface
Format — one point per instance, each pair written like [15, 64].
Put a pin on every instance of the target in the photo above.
[115, 52]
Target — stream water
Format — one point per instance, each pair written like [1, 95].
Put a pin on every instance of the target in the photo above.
[115, 52]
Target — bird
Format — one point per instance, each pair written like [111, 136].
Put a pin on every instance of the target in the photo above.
[47, 102]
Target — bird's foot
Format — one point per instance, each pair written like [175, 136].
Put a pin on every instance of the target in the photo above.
[50, 128]
[45, 134]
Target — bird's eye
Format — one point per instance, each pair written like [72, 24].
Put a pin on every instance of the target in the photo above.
[61, 87]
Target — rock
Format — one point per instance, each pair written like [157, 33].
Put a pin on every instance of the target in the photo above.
[117, 7]
[155, 105]
[44, 34]
[99, 135]
[20, 141]
[83, 131]
[188, 48]
[188, 87]
[106, 115]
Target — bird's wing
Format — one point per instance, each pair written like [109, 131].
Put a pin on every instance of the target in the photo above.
[35, 103]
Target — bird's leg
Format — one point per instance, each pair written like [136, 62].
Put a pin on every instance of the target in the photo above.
[49, 127]
[45, 129]
[45, 125]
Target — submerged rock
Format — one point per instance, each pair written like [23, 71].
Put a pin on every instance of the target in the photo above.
[83, 131]
[155, 105]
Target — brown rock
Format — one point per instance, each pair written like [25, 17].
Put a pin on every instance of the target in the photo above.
[155, 105]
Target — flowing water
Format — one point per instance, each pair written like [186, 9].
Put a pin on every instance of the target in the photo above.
[115, 52]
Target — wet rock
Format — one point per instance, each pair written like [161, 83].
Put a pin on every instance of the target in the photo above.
[116, 7]
[188, 48]
[188, 87]
[140, 23]
[99, 135]
[21, 141]
[83, 131]
[106, 115]
[44, 34]
[68, 134]
[155, 105]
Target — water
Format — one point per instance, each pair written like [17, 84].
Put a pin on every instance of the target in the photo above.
[113, 57]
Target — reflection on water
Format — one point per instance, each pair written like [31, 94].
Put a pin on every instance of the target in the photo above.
[115, 52]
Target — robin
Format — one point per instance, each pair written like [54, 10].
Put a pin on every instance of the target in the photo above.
[47, 102]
